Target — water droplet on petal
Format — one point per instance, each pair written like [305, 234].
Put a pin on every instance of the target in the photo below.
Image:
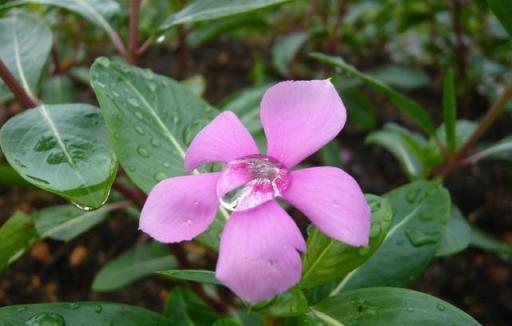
[46, 319]
[251, 181]
[160, 39]
[142, 151]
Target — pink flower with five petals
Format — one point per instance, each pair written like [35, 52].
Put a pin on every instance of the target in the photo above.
[260, 244]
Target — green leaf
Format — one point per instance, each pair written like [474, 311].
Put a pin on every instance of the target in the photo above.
[402, 77]
[389, 306]
[67, 222]
[483, 240]
[330, 154]
[290, 303]
[285, 49]
[420, 213]
[449, 110]
[63, 149]
[193, 275]
[457, 235]
[405, 145]
[151, 119]
[26, 43]
[502, 150]
[503, 10]
[96, 11]
[200, 10]
[327, 259]
[361, 109]
[9, 177]
[246, 105]
[187, 308]
[410, 107]
[16, 236]
[132, 265]
[81, 313]
[58, 90]
[196, 83]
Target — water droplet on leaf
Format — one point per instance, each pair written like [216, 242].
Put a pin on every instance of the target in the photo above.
[155, 142]
[421, 237]
[98, 309]
[159, 176]
[142, 151]
[148, 74]
[133, 101]
[440, 307]
[139, 130]
[139, 115]
[410, 309]
[46, 319]
[105, 62]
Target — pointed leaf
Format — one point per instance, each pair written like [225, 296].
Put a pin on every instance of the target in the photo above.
[16, 236]
[187, 308]
[26, 43]
[457, 235]
[290, 303]
[483, 240]
[81, 313]
[402, 77]
[285, 49]
[193, 275]
[327, 259]
[503, 10]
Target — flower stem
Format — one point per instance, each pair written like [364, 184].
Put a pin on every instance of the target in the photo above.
[483, 126]
[19, 92]
[133, 47]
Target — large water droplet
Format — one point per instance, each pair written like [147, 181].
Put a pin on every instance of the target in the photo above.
[139, 130]
[105, 62]
[133, 101]
[46, 319]
[250, 181]
[422, 237]
[159, 176]
[440, 307]
[152, 87]
[98, 309]
[142, 151]
[147, 73]
[155, 142]
[45, 144]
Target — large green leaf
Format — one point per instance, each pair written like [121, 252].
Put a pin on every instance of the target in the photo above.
[285, 49]
[133, 264]
[96, 11]
[194, 275]
[16, 236]
[200, 10]
[63, 149]
[410, 107]
[151, 119]
[389, 306]
[421, 211]
[67, 222]
[405, 145]
[327, 259]
[188, 309]
[503, 10]
[457, 235]
[290, 303]
[81, 313]
[25, 45]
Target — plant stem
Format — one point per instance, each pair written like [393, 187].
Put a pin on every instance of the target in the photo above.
[133, 47]
[19, 92]
[135, 195]
[484, 124]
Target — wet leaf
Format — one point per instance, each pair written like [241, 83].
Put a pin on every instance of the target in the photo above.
[193, 275]
[16, 236]
[187, 308]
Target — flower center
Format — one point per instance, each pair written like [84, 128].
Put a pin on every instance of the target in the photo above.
[251, 181]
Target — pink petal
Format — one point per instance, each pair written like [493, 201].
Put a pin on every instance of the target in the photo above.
[333, 201]
[222, 140]
[299, 117]
[258, 255]
[180, 208]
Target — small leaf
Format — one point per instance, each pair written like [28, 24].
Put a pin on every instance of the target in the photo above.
[26, 43]
[96, 11]
[67, 222]
[16, 236]
[327, 259]
[405, 145]
[420, 213]
[290, 303]
[457, 235]
[389, 306]
[449, 110]
[63, 149]
[402, 77]
[410, 107]
[503, 10]
[285, 49]
[502, 150]
[483, 240]
[201, 10]
[187, 308]
[132, 265]
[81, 313]
[193, 275]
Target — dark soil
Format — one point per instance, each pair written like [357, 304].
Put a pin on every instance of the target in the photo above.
[478, 282]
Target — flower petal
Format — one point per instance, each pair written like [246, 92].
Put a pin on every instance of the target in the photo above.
[180, 208]
[222, 140]
[299, 117]
[333, 201]
[258, 255]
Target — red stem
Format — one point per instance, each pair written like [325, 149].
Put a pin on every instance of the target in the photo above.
[133, 47]
[133, 194]
[19, 92]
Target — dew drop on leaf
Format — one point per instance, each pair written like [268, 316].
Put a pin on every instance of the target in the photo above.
[440, 307]
[159, 176]
[98, 309]
[46, 319]
[420, 237]
[155, 142]
[105, 62]
[133, 101]
[139, 130]
[142, 151]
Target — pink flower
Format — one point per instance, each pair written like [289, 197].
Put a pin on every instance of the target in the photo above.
[259, 249]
